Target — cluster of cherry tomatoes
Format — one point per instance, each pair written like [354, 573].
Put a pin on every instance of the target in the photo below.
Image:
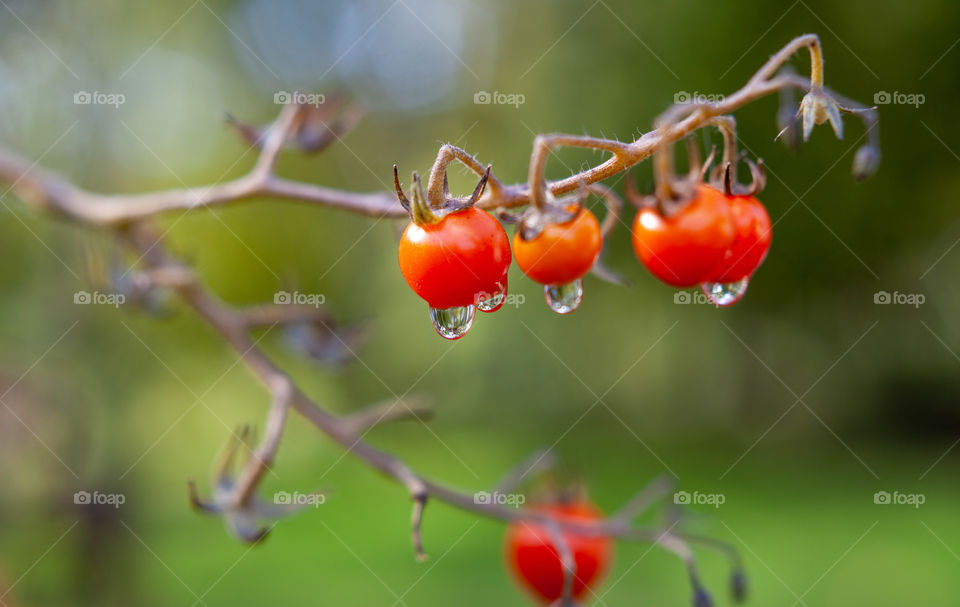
[716, 240]
[457, 258]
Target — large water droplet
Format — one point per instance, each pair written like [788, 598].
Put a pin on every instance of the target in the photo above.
[725, 293]
[452, 323]
[487, 302]
[564, 298]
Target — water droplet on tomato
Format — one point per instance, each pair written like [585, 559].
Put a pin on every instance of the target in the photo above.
[487, 302]
[564, 298]
[725, 293]
[452, 323]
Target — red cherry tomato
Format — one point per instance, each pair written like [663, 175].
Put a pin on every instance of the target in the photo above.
[452, 262]
[535, 561]
[562, 252]
[686, 248]
[752, 235]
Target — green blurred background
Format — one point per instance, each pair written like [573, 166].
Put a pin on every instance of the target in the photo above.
[798, 404]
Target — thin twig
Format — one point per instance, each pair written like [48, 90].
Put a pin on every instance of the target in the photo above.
[530, 467]
[410, 407]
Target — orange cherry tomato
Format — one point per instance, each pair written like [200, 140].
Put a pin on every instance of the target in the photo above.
[562, 252]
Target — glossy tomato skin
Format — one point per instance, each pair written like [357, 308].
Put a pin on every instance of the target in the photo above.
[454, 261]
[562, 252]
[535, 562]
[686, 248]
[753, 234]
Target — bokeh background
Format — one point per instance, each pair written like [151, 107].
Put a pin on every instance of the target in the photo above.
[798, 404]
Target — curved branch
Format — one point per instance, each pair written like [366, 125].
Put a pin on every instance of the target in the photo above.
[52, 192]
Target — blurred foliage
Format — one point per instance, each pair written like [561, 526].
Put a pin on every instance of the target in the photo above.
[798, 404]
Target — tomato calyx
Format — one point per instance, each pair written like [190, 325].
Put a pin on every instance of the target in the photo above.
[671, 193]
[724, 176]
[427, 212]
[556, 211]
[681, 193]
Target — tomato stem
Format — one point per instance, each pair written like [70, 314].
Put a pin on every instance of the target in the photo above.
[437, 189]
